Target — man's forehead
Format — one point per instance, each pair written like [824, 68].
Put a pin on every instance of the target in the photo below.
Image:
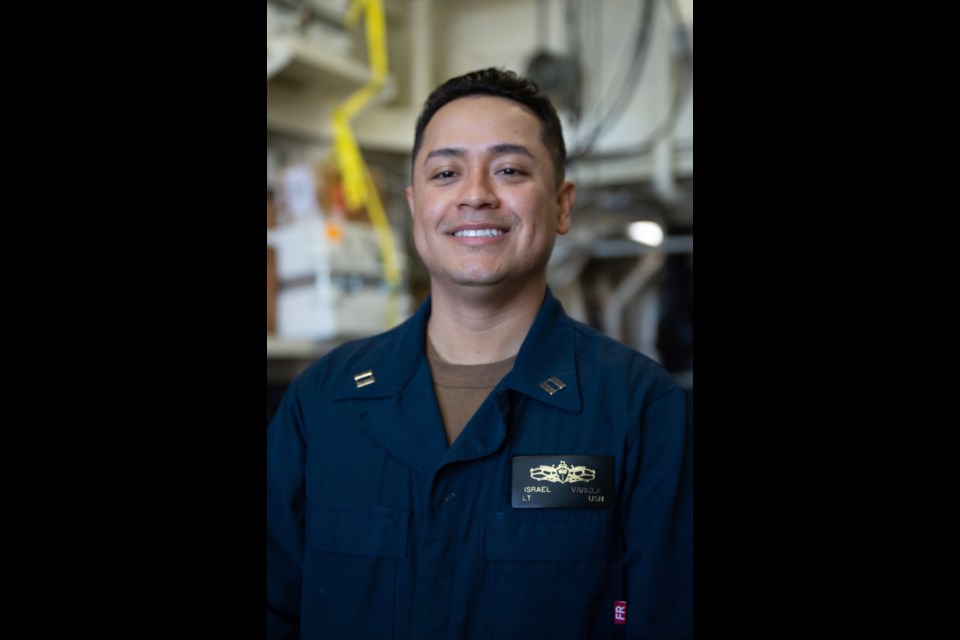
[489, 124]
[470, 111]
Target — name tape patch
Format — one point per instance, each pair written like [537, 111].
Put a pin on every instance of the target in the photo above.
[562, 481]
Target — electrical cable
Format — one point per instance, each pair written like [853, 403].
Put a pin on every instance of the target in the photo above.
[541, 19]
[681, 91]
[576, 56]
[627, 88]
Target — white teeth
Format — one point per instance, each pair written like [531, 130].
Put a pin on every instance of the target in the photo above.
[478, 233]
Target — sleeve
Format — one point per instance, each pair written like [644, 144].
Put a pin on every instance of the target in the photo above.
[286, 457]
[658, 522]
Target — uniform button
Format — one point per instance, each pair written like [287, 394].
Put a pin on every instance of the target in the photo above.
[450, 497]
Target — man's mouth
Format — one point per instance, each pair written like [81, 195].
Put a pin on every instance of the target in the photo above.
[477, 233]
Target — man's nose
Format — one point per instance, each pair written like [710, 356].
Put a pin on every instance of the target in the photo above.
[478, 192]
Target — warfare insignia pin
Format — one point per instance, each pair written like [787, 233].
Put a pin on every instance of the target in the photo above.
[563, 481]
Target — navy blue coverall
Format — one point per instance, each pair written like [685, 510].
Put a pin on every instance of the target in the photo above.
[378, 529]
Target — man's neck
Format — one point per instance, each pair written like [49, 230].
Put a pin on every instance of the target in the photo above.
[481, 329]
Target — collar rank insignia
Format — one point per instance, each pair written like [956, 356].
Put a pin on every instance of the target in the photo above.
[562, 481]
[552, 384]
[364, 378]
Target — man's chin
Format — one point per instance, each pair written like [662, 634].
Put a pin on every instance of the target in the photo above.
[477, 279]
[480, 284]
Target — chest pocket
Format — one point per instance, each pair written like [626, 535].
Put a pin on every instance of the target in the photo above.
[350, 571]
[378, 531]
[551, 573]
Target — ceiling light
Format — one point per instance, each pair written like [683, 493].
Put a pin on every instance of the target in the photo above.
[645, 232]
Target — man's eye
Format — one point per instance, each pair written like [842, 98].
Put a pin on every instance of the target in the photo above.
[443, 175]
[510, 171]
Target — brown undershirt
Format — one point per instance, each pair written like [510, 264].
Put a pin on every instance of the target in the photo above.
[462, 388]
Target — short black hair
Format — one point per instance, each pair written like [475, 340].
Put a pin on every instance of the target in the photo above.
[505, 84]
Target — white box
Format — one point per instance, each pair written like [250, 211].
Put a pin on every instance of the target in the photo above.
[307, 245]
[326, 312]
[331, 285]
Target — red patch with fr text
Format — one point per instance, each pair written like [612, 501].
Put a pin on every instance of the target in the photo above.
[619, 612]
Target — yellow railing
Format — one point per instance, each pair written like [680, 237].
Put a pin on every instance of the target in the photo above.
[359, 189]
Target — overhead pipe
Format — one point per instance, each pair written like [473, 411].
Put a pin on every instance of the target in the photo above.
[648, 266]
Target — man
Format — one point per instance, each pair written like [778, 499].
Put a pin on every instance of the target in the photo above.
[490, 468]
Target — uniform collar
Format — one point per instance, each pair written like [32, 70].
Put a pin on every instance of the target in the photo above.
[392, 362]
[545, 369]
[546, 366]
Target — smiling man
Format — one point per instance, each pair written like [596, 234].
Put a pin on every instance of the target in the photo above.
[486, 201]
[490, 468]
[487, 204]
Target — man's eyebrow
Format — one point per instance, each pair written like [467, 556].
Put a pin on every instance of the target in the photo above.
[505, 149]
[497, 149]
[446, 152]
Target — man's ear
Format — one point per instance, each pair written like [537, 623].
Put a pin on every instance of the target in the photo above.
[409, 192]
[566, 194]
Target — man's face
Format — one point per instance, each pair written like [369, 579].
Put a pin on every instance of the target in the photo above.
[485, 205]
